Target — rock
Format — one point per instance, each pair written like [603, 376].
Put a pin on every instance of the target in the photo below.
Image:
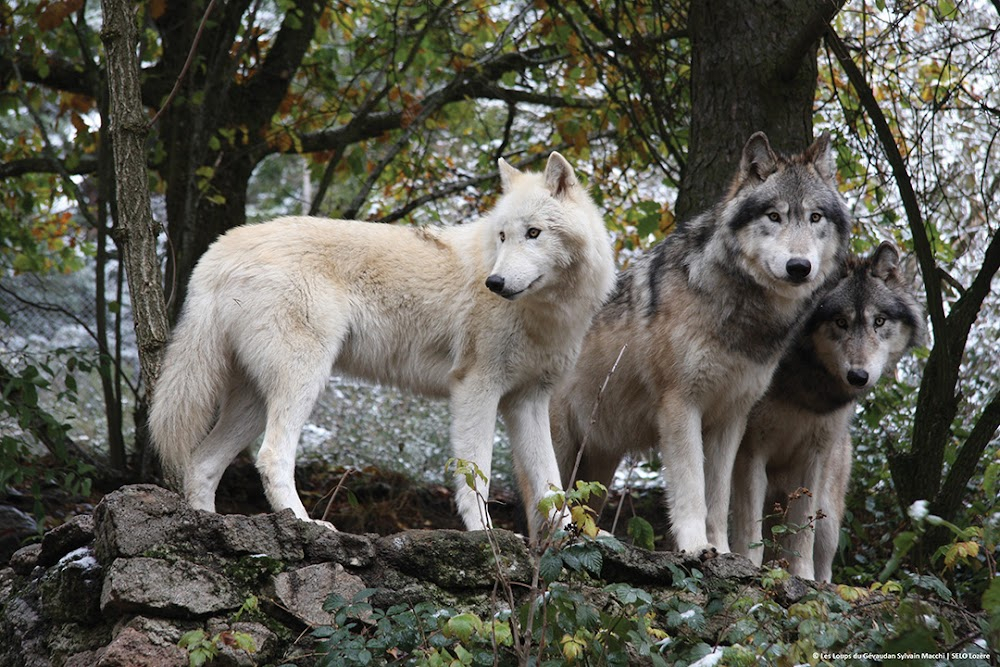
[15, 526]
[136, 519]
[456, 559]
[730, 566]
[25, 559]
[233, 656]
[132, 648]
[639, 566]
[157, 587]
[302, 592]
[71, 591]
[356, 551]
[75, 533]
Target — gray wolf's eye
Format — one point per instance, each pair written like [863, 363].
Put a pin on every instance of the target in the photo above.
[841, 322]
[815, 217]
[774, 216]
[503, 237]
[879, 321]
[533, 232]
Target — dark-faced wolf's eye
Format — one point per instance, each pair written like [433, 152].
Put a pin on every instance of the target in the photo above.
[533, 232]
[774, 216]
[503, 237]
[841, 322]
[879, 321]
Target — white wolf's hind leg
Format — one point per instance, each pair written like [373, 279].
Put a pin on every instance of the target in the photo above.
[241, 420]
[290, 395]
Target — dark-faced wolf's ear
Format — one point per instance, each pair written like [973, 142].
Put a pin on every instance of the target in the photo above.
[559, 176]
[507, 174]
[885, 261]
[758, 160]
[820, 154]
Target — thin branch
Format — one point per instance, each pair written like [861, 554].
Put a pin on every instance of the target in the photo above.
[187, 64]
[921, 243]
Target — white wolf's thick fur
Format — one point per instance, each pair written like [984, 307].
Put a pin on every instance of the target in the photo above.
[272, 308]
[798, 436]
[705, 316]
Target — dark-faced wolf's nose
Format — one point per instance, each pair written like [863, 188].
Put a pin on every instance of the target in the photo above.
[858, 377]
[798, 269]
[495, 284]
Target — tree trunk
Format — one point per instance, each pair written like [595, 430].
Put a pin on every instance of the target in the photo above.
[753, 67]
[134, 230]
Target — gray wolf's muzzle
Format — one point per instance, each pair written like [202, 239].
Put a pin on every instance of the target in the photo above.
[797, 268]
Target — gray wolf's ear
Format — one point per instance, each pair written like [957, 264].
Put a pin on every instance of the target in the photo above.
[507, 174]
[820, 154]
[885, 261]
[758, 159]
[559, 176]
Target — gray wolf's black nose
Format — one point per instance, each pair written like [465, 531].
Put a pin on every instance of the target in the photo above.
[857, 377]
[495, 284]
[798, 269]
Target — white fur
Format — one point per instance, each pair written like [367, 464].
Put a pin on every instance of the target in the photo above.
[272, 308]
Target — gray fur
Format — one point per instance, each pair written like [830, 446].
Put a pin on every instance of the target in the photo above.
[704, 318]
[798, 435]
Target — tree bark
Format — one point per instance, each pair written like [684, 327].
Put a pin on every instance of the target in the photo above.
[134, 230]
[753, 67]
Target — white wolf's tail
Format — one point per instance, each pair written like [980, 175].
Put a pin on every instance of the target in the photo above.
[188, 391]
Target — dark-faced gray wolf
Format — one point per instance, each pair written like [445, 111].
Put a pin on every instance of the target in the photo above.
[798, 436]
[704, 317]
[490, 313]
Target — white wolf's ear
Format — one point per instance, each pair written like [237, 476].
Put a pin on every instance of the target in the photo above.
[820, 154]
[885, 261]
[507, 174]
[559, 176]
[758, 159]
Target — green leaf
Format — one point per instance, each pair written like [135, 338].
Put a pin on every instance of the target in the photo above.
[641, 532]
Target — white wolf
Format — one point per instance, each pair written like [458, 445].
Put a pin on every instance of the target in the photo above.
[490, 313]
[706, 315]
[798, 436]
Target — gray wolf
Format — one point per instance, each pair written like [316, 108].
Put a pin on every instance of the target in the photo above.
[704, 318]
[798, 435]
[490, 313]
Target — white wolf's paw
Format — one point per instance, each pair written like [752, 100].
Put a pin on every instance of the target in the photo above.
[703, 553]
[325, 524]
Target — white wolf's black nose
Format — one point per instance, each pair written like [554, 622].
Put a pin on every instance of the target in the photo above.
[798, 269]
[858, 377]
[495, 284]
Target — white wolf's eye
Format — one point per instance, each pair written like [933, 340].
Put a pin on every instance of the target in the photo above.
[533, 232]
[774, 216]
[503, 237]
[841, 322]
[815, 217]
[879, 321]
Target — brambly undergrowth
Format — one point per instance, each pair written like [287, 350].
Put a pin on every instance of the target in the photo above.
[569, 616]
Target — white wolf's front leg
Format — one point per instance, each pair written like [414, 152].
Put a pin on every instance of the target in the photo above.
[721, 447]
[473, 424]
[527, 420]
[684, 473]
